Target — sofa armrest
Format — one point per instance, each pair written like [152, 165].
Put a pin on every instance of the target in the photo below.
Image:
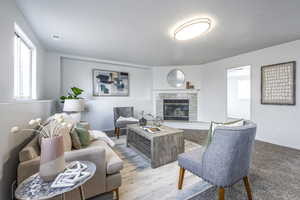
[96, 155]
[93, 154]
[28, 168]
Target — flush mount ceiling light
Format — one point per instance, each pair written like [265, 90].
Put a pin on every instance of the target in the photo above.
[192, 29]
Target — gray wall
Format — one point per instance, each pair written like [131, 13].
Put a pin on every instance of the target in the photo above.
[276, 124]
[65, 72]
[15, 113]
[9, 14]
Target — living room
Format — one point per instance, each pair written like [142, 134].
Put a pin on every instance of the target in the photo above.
[79, 44]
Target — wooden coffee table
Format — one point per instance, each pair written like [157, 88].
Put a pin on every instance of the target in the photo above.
[160, 148]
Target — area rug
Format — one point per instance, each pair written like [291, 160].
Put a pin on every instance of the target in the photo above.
[141, 182]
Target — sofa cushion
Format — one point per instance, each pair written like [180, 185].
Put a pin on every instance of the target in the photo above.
[30, 151]
[113, 163]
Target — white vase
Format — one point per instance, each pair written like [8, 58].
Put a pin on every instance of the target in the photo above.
[52, 161]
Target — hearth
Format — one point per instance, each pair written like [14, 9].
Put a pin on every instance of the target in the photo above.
[176, 109]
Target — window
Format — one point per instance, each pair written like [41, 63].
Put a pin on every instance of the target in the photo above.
[24, 66]
[239, 92]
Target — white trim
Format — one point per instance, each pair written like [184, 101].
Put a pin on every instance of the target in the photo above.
[124, 64]
[23, 36]
[176, 90]
[226, 105]
[25, 102]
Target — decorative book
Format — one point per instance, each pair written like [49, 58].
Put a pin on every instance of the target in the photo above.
[151, 129]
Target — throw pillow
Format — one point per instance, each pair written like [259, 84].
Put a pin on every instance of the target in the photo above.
[75, 139]
[67, 140]
[83, 134]
[130, 119]
[99, 135]
[214, 125]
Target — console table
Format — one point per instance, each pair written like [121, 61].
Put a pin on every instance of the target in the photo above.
[160, 148]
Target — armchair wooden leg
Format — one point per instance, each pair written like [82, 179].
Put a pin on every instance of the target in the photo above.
[117, 132]
[247, 186]
[221, 193]
[117, 193]
[181, 177]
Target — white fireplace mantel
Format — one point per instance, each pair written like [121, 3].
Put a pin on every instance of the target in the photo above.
[176, 91]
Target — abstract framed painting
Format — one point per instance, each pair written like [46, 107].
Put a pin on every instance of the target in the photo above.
[110, 83]
[278, 84]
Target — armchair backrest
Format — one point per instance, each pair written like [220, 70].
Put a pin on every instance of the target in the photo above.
[122, 111]
[227, 159]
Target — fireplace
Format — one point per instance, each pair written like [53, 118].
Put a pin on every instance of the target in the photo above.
[176, 109]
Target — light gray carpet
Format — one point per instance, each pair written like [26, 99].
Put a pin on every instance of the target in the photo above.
[275, 175]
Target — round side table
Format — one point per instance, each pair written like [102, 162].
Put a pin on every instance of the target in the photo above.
[34, 188]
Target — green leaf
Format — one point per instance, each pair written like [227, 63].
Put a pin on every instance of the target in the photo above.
[63, 97]
[76, 91]
[73, 94]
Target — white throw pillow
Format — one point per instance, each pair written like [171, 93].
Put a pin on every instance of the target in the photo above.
[99, 135]
[131, 119]
[227, 124]
[214, 125]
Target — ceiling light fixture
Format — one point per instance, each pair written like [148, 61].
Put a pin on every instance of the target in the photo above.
[192, 29]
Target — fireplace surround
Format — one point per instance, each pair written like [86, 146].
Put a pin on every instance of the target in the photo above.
[191, 96]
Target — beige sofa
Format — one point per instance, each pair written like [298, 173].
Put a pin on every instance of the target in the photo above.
[107, 177]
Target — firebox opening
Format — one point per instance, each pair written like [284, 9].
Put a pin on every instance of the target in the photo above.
[176, 109]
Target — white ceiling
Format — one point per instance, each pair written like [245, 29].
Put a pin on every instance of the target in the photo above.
[137, 31]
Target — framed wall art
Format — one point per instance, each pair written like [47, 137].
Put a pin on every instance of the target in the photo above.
[110, 83]
[278, 84]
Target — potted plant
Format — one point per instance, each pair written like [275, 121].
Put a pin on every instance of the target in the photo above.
[73, 94]
[73, 103]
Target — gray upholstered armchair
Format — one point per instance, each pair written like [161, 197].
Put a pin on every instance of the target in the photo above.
[124, 112]
[225, 161]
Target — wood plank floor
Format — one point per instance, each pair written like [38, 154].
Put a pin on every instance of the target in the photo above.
[274, 175]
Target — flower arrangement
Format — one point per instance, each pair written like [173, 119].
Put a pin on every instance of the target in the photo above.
[52, 161]
[55, 127]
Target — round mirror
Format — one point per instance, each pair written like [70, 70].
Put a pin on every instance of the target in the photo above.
[175, 78]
